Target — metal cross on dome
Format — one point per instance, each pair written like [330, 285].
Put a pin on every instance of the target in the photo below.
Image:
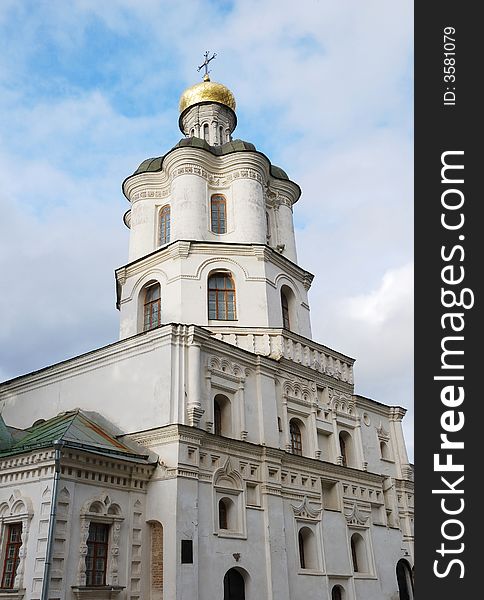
[205, 63]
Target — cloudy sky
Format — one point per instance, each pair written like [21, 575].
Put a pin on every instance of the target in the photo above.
[89, 89]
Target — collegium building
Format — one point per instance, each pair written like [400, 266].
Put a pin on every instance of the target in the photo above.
[214, 452]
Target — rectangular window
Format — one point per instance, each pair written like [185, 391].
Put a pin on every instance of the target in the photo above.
[217, 214]
[187, 552]
[97, 554]
[14, 542]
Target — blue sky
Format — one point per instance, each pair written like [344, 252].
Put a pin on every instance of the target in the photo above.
[88, 90]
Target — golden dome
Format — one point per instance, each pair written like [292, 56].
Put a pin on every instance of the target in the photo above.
[207, 91]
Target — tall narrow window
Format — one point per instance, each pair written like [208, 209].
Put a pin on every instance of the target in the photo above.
[354, 554]
[302, 558]
[221, 297]
[221, 132]
[217, 418]
[285, 312]
[11, 561]
[152, 307]
[296, 438]
[205, 132]
[336, 593]
[218, 216]
[222, 515]
[344, 439]
[97, 554]
[165, 225]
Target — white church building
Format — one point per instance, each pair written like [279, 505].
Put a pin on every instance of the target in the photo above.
[214, 452]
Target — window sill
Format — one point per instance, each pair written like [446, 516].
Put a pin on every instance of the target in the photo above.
[227, 533]
[101, 592]
[218, 321]
[358, 575]
[310, 572]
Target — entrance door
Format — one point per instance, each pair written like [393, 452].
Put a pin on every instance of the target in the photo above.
[234, 586]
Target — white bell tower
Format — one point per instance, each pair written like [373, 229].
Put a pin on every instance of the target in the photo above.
[211, 231]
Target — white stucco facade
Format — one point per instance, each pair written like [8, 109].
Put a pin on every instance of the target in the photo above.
[272, 479]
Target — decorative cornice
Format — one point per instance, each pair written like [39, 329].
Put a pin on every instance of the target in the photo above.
[217, 170]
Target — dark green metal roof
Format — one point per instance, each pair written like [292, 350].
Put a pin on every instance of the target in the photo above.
[151, 165]
[75, 430]
[6, 439]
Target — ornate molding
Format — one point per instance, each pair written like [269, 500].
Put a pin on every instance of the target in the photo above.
[341, 402]
[306, 511]
[356, 515]
[223, 366]
[101, 509]
[383, 434]
[299, 389]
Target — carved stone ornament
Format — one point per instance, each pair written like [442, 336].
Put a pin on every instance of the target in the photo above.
[222, 365]
[382, 434]
[341, 402]
[18, 508]
[306, 511]
[356, 515]
[299, 389]
[227, 477]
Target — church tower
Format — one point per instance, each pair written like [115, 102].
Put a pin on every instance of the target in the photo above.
[215, 451]
[211, 231]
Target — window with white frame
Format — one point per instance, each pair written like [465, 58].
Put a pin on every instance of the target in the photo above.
[98, 564]
[229, 506]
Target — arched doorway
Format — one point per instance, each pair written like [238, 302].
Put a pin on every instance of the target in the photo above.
[405, 580]
[234, 585]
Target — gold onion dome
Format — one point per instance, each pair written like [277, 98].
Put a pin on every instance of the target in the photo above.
[207, 91]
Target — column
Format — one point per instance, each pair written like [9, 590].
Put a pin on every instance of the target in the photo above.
[194, 406]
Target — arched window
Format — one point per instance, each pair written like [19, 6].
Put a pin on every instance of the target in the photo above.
[227, 514]
[358, 554]
[296, 438]
[218, 214]
[205, 132]
[337, 593]
[222, 418]
[384, 451]
[156, 559]
[152, 307]
[165, 225]
[354, 556]
[221, 297]
[302, 557]
[221, 133]
[345, 444]
[217, 418]
[285, 311]
[222, 514]
[405, 580]
[234, 585]
[307, 549]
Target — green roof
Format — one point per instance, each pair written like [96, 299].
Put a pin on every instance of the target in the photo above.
[151, 165]
[6, 439]
[76, 430]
